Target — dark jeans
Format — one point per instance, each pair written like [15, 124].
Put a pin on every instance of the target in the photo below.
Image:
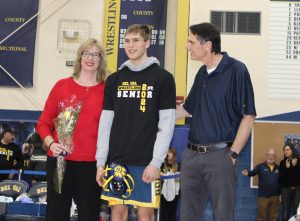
[290, 201]
[202, 175]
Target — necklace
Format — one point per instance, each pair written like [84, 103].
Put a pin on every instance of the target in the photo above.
[87, 83]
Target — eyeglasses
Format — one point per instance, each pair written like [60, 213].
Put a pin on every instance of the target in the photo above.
[87, 54]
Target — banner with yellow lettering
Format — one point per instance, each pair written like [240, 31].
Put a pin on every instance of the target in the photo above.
[119, 14]
[17, 41]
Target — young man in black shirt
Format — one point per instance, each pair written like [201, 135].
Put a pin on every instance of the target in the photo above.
[136, 125]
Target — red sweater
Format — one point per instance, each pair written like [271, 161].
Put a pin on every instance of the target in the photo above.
[86, 129]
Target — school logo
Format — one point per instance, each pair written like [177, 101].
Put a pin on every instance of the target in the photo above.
[117, 180]
[133, 90]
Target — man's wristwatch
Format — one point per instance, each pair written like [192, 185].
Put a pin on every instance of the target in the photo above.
[233, 154]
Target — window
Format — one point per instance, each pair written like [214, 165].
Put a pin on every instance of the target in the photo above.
[237, 22]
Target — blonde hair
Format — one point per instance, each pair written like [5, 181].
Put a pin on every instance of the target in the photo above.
[142, 29]
[102, 68]
[172, 163]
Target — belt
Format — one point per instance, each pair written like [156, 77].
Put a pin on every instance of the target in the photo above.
[208, 147]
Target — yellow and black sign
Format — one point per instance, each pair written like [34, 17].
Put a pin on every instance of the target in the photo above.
[38, 190]
[13, 188]
[118, 15]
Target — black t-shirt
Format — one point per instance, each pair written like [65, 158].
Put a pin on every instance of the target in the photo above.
[136, 99]
[10, 157]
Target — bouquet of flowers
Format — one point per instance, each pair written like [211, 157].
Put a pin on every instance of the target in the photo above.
[64, 125]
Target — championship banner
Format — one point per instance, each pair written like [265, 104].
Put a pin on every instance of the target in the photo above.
[17, 49]
[119, 15]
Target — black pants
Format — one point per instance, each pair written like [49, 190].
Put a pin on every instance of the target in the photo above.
[167, 211]
[290, 202]
[80, 183]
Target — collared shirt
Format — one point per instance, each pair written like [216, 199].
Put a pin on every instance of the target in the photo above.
[218, 101]
[268, 180]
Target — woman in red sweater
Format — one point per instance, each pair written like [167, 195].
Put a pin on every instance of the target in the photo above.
[87, 85]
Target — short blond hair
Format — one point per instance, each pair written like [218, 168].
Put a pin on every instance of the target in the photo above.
[142, 29]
